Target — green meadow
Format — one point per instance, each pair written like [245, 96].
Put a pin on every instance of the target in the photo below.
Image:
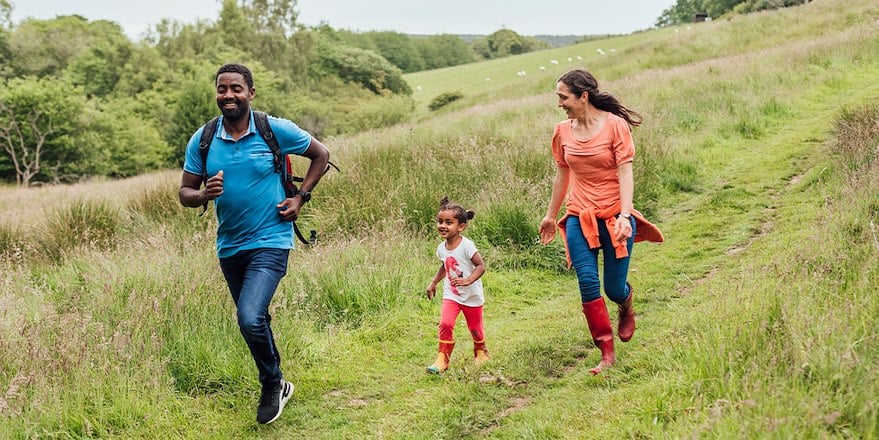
[758, 158]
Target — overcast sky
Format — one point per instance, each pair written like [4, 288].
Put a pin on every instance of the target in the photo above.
[526, 17]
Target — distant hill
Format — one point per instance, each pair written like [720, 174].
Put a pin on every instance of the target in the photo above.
[553, 40]
[566, 40]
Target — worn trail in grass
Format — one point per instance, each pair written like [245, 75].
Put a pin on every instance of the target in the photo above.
[537, 384]
[707, 263]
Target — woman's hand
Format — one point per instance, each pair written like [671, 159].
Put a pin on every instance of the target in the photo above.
[547, 230]
[622, 229]
[431, 290]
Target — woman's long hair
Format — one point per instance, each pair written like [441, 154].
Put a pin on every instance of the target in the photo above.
[580, 81]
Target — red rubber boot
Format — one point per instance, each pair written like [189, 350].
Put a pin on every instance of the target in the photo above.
[626, 321]
[602, 332]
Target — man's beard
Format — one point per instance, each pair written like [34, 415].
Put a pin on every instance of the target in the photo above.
[234, 114]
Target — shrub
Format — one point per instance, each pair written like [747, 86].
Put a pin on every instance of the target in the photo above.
[857, 136]
[444, 99]
[11, 243]
[506, 224]
[361, 66]
[510, 230]
[383, 111]
[160, 204]
[339, 295]
[81, 223]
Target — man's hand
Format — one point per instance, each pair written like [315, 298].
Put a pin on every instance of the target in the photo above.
[289, 208]
[213, 188]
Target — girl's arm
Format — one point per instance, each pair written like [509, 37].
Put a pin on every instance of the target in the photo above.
[559, 189]
[440, 274]
[475, 275]
[623, 229]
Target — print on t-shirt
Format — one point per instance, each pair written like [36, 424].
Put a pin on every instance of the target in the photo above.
[452, 267]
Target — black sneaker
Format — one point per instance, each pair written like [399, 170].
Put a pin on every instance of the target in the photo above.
[272, 402]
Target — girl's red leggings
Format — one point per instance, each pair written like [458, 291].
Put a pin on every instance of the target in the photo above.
[448, 316]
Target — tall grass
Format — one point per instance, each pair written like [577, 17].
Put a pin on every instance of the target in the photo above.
[11, 241]
[755, 318]
[857, 137]
[359, 283]
[81, 223]
[805, 332]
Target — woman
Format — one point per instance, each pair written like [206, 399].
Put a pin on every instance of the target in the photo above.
[593, 150]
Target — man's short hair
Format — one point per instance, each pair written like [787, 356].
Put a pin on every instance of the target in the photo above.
[236, 68]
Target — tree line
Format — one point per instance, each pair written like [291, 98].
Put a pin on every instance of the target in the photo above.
[685, 11]
[81, 99]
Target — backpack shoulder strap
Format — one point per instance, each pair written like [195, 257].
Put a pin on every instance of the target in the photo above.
[282, 165]
[204, 145]
[281, 160]
[265, 130]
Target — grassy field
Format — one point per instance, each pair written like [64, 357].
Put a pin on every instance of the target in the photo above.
[756, 318]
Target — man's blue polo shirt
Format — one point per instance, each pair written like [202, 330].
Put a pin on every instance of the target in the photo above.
[246, 213]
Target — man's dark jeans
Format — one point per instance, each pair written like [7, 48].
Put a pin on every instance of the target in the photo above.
[252, 276]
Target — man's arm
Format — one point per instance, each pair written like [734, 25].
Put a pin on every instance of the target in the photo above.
[192, 196]
[319, 156]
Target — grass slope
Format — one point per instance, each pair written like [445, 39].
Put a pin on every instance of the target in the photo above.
[755, 318]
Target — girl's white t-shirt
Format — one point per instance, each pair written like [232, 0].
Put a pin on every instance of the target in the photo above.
[459, 261]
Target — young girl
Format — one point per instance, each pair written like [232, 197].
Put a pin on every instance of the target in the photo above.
[461, 268]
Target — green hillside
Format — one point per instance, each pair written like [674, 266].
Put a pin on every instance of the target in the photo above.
[758, 158]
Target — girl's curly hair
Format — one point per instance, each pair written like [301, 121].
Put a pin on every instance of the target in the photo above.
[461, 214]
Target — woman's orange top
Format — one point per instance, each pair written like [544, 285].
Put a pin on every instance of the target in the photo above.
[594, 189]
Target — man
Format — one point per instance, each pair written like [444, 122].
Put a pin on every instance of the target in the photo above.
[254, 233]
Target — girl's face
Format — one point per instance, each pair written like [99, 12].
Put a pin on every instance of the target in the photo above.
[448, 225]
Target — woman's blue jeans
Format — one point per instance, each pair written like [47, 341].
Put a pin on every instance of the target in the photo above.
[252, 276]
[585, 262]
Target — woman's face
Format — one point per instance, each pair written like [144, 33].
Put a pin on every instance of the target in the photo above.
[573, 105]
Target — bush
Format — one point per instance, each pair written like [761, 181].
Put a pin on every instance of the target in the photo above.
[339, 295]
[160, 204]
[11, 243]
[857, 136]
[511, 231]
[361, 66]
[81, 223]
[383, 111]
[507, 225]
[444, 99]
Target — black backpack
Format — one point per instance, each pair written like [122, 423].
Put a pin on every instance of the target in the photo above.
[283, 166]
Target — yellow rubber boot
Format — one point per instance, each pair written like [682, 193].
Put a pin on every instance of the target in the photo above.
[481, 357]
[480, 353]
[440, 364]
[442, 358]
